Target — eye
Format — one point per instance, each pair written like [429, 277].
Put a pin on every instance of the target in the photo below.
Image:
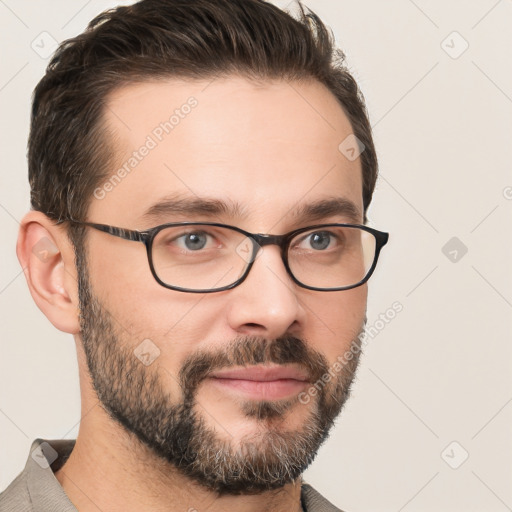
[318, 240]
[193, 241]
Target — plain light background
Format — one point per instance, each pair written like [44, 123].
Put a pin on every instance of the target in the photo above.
[428, 426]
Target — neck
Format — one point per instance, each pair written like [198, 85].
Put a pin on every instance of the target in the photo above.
[109, 469]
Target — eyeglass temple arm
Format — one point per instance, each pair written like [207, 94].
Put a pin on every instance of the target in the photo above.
[126, 234]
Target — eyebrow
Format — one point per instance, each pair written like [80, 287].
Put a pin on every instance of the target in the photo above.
[214, 208]
[188, 206]
[323, 208]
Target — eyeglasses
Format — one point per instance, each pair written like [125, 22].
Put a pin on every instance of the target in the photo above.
[205, 257]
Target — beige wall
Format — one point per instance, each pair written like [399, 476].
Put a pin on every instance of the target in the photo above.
[435, 383]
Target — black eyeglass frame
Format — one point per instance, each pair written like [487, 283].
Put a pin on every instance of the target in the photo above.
[258, 240]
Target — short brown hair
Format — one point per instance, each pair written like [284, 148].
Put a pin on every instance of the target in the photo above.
[68, 148]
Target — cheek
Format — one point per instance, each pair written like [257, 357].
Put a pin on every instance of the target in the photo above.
[177, 323]
[335, 319]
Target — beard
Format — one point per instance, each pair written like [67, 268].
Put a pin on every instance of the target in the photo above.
[174, 427]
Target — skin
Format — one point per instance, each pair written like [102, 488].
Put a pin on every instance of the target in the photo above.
[270, 147]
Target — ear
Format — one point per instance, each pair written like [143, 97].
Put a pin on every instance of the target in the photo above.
[47, 257]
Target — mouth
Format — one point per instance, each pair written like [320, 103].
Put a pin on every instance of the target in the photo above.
[262, 382]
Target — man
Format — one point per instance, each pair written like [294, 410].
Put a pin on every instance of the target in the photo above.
[200, 173]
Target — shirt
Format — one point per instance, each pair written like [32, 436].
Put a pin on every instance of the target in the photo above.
[36, 489]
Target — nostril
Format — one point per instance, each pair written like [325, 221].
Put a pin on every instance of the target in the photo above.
[253, 325]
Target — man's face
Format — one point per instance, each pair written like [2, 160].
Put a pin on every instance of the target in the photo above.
[218, 395]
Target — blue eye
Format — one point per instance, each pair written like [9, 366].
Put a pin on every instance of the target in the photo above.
[193, 241]
[320, 240]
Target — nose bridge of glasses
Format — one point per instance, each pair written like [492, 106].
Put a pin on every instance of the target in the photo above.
[261, 240]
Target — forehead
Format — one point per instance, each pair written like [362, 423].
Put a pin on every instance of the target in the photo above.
[268, 146]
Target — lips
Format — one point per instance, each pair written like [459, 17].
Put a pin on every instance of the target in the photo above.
[262, 373]
[262, 382]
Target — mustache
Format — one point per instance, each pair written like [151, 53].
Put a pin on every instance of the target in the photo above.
[252, 350]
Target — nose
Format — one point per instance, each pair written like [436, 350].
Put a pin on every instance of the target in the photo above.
[266, 304]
